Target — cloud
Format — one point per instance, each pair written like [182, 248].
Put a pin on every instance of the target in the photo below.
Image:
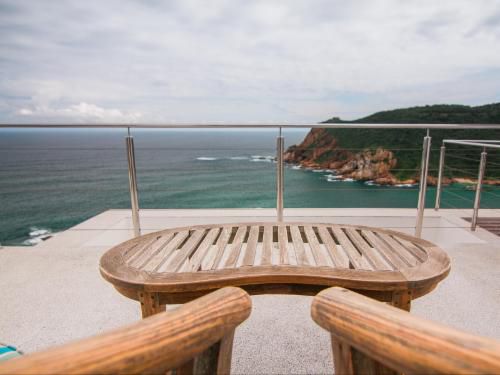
[236, 60]
[82, 111]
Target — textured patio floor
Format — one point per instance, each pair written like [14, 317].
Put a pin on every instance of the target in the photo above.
[52, 293]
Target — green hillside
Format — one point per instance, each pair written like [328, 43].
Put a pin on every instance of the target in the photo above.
[433, 114]
[407, 143]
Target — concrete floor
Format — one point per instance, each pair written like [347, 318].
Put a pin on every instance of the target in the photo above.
[52, 293]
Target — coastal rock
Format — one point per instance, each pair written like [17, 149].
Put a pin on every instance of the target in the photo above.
[321, 150]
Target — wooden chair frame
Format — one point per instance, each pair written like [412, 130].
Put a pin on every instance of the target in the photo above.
[195, 338]
[370, 337]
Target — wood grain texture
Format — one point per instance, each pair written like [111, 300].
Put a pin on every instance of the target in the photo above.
[398, 340]
[249, 257]
[157, 344]
[202, 258]
[150, 304]
[298, 245]
[318, 255]
[267, 245]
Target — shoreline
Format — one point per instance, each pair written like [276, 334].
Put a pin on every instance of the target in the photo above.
[390, 180]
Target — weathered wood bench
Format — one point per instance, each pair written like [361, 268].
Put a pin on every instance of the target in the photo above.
[195, 338]
[369, 337]
[177, 265]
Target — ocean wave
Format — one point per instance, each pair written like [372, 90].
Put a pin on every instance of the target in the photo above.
[405, 185]
[206, 158]
[260, 158]
[371, 183]
[38, 232]
[238, 158]
[37, 235]
[333, 177]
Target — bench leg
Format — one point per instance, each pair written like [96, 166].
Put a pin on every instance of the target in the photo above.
[150, 304]
[349, 361]
[402, 300]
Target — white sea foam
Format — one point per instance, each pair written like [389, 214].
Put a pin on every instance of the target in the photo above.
[32, 241]
[38, 232]
[318, 170]
[348, 180]
[37, 235]
[238, 158]
[206, 158]
[371, 183]
[260, 158]
[296, 167]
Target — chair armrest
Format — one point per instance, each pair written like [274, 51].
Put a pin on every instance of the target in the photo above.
[399, 340]
[159, 343]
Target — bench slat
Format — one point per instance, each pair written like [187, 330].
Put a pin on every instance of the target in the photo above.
[298, 245]
[283, 245]
[384, 250]
[267, 249]
[234, 251]
[355, 258]
[185, 252]
[249, 258]
[339, 259]
[203, 249]
[366, 250]
[157, 260]
[318, 255]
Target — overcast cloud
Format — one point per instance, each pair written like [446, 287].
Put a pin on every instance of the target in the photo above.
[242, 60]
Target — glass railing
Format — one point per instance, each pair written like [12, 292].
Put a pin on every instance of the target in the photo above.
[51, 179]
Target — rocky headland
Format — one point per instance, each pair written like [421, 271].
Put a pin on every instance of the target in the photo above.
[322, 150]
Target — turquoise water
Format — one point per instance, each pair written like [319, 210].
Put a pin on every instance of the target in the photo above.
[53, 179]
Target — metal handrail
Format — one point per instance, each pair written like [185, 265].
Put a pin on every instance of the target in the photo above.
[426, 151]
[280, 174]
[470, 143]
[256, 126]
[484, 144]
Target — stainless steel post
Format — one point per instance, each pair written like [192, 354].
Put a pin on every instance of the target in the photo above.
[279, 176]
[424, 170]
[132, 181]
[440, 178]
[477, 199]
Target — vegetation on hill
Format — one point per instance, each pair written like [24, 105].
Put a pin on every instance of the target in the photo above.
[433, 114]
[406, 144]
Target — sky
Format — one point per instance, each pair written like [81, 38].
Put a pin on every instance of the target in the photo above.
[227, 61]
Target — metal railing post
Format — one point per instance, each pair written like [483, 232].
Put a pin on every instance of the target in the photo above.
[424, 170]
[477, 198]
[279, 176]
[440, 177]
[132, 181]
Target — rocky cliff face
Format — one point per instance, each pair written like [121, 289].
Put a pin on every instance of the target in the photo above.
[321, 150]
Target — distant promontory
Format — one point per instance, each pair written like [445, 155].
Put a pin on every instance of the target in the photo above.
[392, 156]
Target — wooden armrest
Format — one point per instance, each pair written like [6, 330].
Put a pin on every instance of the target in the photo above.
[159, 343]
[399, 340]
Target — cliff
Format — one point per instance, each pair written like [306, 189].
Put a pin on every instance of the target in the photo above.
[392, 156]
[321, 150]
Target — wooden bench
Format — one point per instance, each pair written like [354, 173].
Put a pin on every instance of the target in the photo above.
[177, 265]
[369, 337]
[195, 338]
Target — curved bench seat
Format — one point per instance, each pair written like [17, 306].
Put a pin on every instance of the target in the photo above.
[180, 264]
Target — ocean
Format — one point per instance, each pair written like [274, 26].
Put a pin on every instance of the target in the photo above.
[52, 179]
